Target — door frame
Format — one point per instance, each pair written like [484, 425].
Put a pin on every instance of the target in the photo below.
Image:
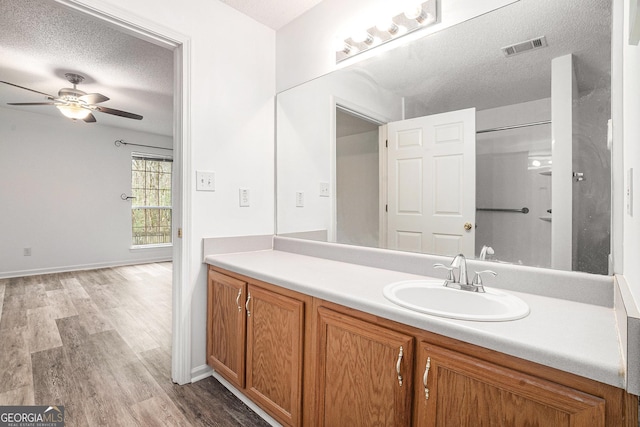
[366, 114]
[181, 46]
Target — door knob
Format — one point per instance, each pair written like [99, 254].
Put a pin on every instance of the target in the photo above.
[468, 226]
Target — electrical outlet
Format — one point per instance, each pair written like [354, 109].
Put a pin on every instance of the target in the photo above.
[324, 189]
[205, 181]
[244, 197]
[299, 199]
[26, 252]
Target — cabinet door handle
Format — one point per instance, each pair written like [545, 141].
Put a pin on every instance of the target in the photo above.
[425, 378]
[398, 363]
[246, 305]
[238, 299]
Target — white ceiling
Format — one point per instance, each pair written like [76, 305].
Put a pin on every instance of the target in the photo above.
[272, 13]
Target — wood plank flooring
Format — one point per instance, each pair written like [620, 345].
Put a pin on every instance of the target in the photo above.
[99, 343]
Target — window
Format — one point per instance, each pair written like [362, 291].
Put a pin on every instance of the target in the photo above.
[151, 206]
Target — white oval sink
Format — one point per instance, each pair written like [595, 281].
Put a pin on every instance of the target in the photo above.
[431, 297]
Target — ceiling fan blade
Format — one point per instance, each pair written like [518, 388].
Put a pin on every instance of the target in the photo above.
[90, 118]
[119, 113]
[31, 103]
[93, 98]
[26, 88]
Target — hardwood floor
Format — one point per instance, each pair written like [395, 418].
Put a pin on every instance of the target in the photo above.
[99, 343]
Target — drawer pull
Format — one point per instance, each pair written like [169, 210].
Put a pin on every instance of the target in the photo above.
[425, 378]
[398, 363]
[238, 299]
[246, 305]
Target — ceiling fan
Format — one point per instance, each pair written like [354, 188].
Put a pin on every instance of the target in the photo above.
[74, 103]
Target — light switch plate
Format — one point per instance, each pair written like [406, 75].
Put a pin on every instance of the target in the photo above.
[244, 197]
[299, 199]
[205, 181]
[324, 189]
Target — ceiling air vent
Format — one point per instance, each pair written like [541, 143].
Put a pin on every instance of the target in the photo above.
[515, 49]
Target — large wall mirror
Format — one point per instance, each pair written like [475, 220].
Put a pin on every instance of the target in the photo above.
[451, 143]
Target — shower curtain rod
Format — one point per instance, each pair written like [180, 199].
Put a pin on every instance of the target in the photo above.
[524, 125]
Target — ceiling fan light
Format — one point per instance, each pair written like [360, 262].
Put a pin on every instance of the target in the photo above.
[74, 111]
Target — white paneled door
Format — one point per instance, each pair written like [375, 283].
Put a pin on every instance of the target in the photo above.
[431, 166]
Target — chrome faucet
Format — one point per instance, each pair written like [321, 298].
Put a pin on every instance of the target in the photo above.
[486, 250]
[460, 262]
[462, 281]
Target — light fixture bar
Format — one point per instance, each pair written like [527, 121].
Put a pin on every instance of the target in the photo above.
[421, 16]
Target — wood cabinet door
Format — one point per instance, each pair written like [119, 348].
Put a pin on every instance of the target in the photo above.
[274, 353]
[458, 390]
[226, 327]
[364, 373]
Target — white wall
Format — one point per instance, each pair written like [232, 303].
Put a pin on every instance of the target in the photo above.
[306, 135]
[60, 193]
[305, 46]
[357, 182]
[232, 81]
[631, 149]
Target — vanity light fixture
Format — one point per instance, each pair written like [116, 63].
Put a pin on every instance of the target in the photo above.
[341, 46]
[389, 28]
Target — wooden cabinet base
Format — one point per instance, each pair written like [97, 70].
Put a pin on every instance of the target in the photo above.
[310, 362]
[364, 373]
[460, 390]
[255, 340]
[274, 354]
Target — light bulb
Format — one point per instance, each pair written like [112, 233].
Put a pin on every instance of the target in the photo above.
[387, 25]
[74, 111]
[428, 19]
[413, 12]
[536, 163]
[340, 45]
[362, 37]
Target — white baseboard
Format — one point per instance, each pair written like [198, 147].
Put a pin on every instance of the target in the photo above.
[204, 371]
[200, 372]
[49, 270]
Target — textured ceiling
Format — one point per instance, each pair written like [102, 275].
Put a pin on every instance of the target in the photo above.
[40, 41]
[272, 13]
[463, 66]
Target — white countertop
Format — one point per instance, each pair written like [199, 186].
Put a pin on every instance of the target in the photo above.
[575, 337]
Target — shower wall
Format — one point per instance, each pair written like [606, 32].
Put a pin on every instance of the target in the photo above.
[592, 196]
[512, 172]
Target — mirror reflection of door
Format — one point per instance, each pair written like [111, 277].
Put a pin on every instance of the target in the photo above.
[431, 183]
[357, 179]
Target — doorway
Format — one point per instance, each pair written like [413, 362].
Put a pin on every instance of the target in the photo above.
[138, 27]
[357, 179]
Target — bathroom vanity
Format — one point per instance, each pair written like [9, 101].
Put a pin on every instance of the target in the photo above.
[313, 341]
